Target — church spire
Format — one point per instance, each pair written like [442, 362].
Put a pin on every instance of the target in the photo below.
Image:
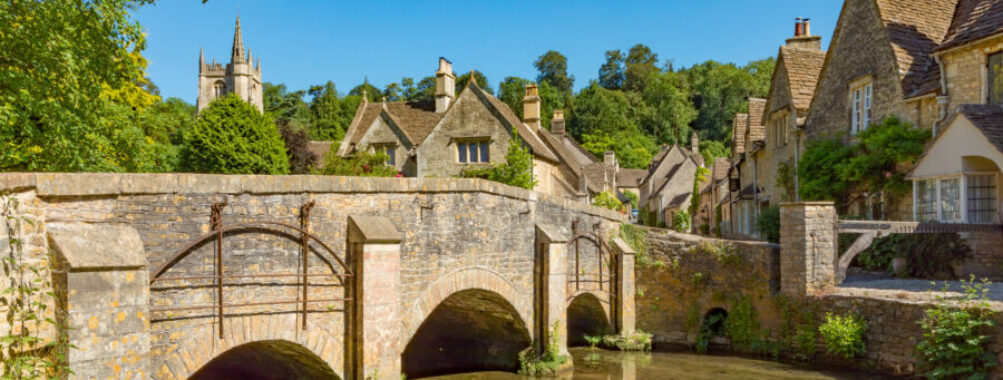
[238, 44]
[201, 59]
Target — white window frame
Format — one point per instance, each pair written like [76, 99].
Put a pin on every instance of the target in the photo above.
[861, 99]
[962, 194]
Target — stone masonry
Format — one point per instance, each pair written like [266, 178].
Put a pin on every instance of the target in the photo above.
[808, 247]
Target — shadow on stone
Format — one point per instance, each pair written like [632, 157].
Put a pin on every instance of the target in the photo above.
[266, 360]
[586, 317]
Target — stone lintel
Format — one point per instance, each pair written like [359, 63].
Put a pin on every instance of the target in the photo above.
[548, 234]
[622, 247]
[87, 247]
[372, 230]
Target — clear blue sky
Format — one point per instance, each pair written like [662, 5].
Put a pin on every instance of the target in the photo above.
[309, 42]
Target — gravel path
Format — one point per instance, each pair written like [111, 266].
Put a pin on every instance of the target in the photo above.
[909, 290]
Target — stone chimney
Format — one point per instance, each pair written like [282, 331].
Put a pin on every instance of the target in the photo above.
[531, 107]
[557, 123]
[802, 36]
[445, 85]
[609, 158]
[695, 144]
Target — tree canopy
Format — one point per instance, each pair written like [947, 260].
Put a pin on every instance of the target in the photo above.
[232, 137]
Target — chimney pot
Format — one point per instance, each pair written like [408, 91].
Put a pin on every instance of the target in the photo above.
[797, 27]
[557, 123]
[806, 30]
[609, 158]
[445, 85]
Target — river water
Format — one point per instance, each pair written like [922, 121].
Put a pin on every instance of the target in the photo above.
[610, 365]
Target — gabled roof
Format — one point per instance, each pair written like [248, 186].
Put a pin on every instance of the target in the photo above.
[525, 132]
[415, 119]
[597, 174]
[915, 29]
[988, 118]
[740, 124]
[630, 177]
[973, 21]
[803, 67]
[319, 149]
[756, 132]
[720, 171]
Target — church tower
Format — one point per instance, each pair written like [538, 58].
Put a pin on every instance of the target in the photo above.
[240, 76]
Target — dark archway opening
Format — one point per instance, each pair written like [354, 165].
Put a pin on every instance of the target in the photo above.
[266, 360]
[713, 322]
[586, 317]
[471, 330]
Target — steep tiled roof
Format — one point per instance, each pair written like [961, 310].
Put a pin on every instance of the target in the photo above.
[974, 20]
[916, 28]
[530, 137]
[803, 67]
[756, 131]
[721, 166]
[741, 122]
[417, 119]
[988, 118]
[598, 174]
[319, 149]
[630, 177]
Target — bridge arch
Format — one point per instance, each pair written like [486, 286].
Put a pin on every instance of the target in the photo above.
[266, 360]
[588, 313]
[268, 332]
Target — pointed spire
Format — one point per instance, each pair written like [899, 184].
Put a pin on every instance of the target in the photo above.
[249, 59]
[201, 59]
[238, 44]
[259, 65]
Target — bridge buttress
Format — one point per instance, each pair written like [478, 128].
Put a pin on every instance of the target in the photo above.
[551, 288]
[623, 310]
[372, 349]
[808, 244]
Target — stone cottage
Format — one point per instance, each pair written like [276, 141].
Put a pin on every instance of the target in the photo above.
[668, 186]
[958, 178]
[749, 170]
[473, 129]
[791, 89]
[239, 77]
[880, 64]
[713, 194]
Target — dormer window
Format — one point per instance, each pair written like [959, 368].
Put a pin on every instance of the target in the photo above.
[473, 151]
[995, 78]
[860, 99]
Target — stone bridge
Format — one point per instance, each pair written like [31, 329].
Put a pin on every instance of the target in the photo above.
[180, 276]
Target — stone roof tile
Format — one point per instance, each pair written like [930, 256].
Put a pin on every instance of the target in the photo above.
[740, 124]
[803, 68]
[916, 28]
[974, 20]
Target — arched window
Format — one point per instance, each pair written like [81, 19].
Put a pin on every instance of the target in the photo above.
[218, 89]
[250, 97]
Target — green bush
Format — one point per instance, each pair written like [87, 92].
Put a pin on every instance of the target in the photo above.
[634, 199]
[742, 325]
[533, 363]
[768, 223]
[516, 171]
[606, 199]
[844, 335]
[232, 137]
[955, 335]
[681, 221]
[635, 341]
[637, 238]
[359, 164]
[927, 255]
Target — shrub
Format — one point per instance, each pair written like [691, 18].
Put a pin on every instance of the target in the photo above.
[301, 159]
[768, 223]
[545, 363]
[681, 221]
[516, 171]
[742, 325]
[606, 199]
[955, 335]
[633, 198]
[232, 137]
[928, 255]
[637, 238]
[844, 335]
[359, 164]
[635, 341]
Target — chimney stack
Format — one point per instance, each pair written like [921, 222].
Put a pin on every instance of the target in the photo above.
[695, 144]
[531, 107]
[445, 85]
[557, 123]
[609, 158]
[802, 36]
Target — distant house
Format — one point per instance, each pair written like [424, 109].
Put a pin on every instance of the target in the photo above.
[749, 171]
[668, 186]
[958, 178]
[713, 194]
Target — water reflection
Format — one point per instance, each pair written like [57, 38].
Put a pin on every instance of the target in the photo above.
[610, 365]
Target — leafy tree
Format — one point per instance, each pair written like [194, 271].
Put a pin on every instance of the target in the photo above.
[287, 107]
[76, 64]
[325, 112]
[710, 150]
[818, 171]
[482, 82]
[721, 90]
[232, 137]
[879, 153]
[768, 222]
[393, 92]
[359, 164]
[511, 91]
[640, 64]
[374, 94]
[611, 73]
[516, 171]
[667, 111]
[604, 120]
[552, 67]
[297, 142]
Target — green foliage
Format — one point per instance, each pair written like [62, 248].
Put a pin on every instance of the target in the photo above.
[606, 120]
[832, 170]
[592, 340]
[711, 149]
[720, 91]
[516, 171]
[768, 223]
[844, 335]
[27, 298]
[482, 82]
[372, 93]
[552, 67]
[681, 221]
[286, 107]
[785, 180]
[296, 139]
[359, 164]
[956, 335]
[611, 73]
[722, 252]
[927, 255]
[742, 325]
[329, 118]
[637, 238]
[702, 175]
[546, 363]
[633, 198]
[606, 199]
[665, 110]
[797, 326]
[634, 341]
[232, 137]
[712, 326]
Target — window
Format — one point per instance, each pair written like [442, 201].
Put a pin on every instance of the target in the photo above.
[473, 152]
[390, 150]
[981, 198]
[926, 200]
[950, 200]
[860, 96]
[218, 89]
[996, 78]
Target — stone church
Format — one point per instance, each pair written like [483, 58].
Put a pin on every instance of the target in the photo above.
[240, 76]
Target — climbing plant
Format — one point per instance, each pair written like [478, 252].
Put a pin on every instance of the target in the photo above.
[24, 352]
[956, 335]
